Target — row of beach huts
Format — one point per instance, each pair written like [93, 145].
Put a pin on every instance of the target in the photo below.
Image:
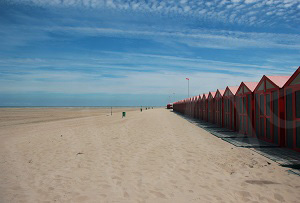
[268, 109]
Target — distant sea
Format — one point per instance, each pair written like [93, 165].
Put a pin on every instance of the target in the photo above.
[75, 106]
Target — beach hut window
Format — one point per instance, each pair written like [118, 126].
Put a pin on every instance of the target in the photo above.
[275, 116]
[289, 118]
[297, 94]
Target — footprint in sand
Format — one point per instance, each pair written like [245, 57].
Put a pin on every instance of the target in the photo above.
[279, 197]
[158, 194]
[260, 182]
[82, 198]
[185, 170]
[126, 195]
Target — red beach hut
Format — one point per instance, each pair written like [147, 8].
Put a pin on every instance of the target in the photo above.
[211, 106]
[230, 107]
[204, 105]
[201, 108]
[269, 109]
[193, 106]
[197, 107]
[292, 111]
[245, 107]
[219, 114]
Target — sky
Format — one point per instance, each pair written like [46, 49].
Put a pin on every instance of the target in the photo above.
[140, 52]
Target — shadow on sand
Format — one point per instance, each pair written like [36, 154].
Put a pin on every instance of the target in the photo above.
[283, 156]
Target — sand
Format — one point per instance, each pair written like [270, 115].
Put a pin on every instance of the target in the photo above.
[83, 155]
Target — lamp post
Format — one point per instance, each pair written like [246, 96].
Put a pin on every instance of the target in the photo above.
[188, 79]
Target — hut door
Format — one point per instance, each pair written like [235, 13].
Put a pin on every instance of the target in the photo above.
[289, 118]
[293, 118]
[242, 115]
[226, 117]
[268, 118]
[297, 119]
[261, 116]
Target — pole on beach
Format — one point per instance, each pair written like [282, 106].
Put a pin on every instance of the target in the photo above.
[188, 79]
[111, 110]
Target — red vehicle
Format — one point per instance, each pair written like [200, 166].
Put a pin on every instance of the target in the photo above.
[169, 106]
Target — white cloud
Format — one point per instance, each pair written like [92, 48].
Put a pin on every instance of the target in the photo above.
[221, 39]
[250, 1]
[191, 8]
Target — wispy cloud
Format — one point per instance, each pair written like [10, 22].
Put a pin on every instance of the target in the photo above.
[143, 73]
[220, 39]
[250, 12]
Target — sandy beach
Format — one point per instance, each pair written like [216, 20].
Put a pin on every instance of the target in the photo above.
[86, 155]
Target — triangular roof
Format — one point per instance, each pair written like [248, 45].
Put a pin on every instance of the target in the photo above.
[232, 89]
[249, 85]
[279, 80]
[212, 94]
[221, 92]
[204, 96]
[272, 82]
[294, 79]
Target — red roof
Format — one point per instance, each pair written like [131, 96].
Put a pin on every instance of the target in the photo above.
[279, 80]
[233, 89]
[205, 95]
[221, 92]
[292, 77]
[251, 85]
[213, 94]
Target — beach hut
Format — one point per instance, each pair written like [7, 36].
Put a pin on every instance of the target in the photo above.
[292, 111]
[245, 107]
[201, 108]
[219, 115]
[192, 106]
[204, 107]
[183, 106]
[230, 107]
[211, 106]
[197, 107]
[269, 109]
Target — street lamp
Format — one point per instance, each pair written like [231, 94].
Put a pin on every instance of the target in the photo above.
[188, 79]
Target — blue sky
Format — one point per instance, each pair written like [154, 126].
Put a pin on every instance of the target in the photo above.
[130, 52]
